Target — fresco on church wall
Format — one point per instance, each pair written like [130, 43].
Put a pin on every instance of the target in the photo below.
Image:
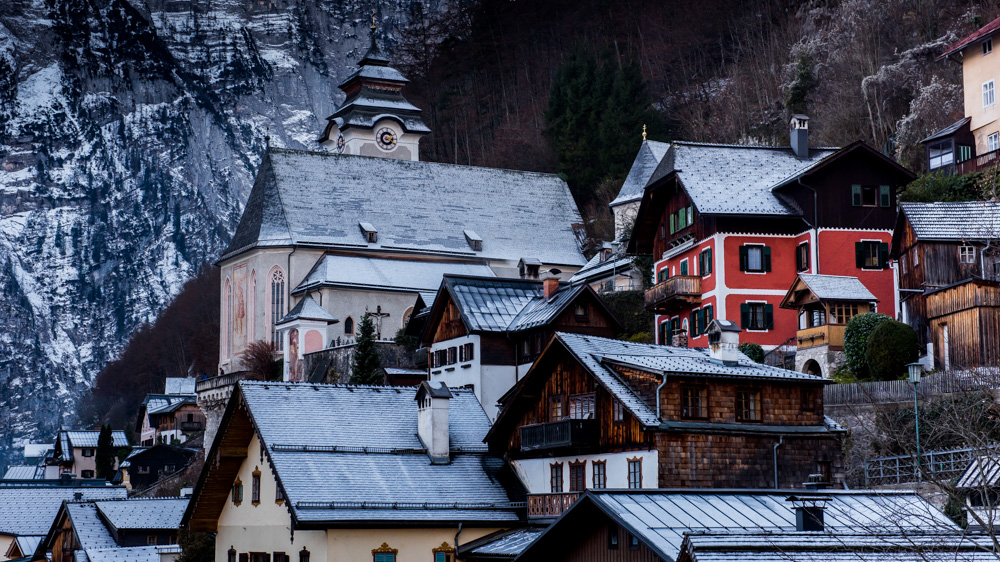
[294, 361]
[239, 309]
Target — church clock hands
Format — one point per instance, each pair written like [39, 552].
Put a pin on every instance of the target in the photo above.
[386, 138]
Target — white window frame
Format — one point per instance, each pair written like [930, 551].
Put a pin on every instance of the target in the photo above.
[989, 94]
[993, 142]
[967, 254]
[987, 46]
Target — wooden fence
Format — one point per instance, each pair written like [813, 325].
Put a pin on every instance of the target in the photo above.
[886, 392]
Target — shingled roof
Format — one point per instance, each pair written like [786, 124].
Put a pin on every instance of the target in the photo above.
[645, 163]
[318, 199]
[977, 35]
[30, 510]
[953, 221]
[399, 273]
[837, 287]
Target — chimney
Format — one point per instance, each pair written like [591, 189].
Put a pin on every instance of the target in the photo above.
[549, 287]
[432, 419]
[680, 339]
[724, 341]
[799, 131]
[809, 512]
[77, 496]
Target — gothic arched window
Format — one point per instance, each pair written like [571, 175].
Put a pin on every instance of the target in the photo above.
[277, 299]
[349, 326]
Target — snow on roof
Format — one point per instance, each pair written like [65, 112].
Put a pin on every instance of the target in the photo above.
[502, 305]
[645, 163]
[87, 524]
[837, 287]
[318, 198]
[596, 269]
[386, 273]
[360, 459]
[89, 438]
[504, 544]
[954, 221]
[27, 544]
[179, 385]
[307, 309]
[982, 471]
[22, 473]
[164, 403]
[947, 131]
[145, 513]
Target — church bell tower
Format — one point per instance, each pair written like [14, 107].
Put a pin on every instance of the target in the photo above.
[375, 119]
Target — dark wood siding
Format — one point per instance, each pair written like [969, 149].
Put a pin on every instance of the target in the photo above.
[496, 350]
[676, 200]
[971, 312]
[451, 325]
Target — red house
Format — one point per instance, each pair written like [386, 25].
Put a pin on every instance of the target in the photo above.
[730, 227]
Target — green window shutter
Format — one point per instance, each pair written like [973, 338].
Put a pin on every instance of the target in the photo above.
[744, 315]
[660, 277]
[709, 315]
[883, 254]
[663, 333]
[884, 196]
[681, 219]
[769, 316]
[743, 258]
[684, 267]
[767, 258]
[856, 195]
[859, 254]
[693, 323]
[672, 224]
[708, 261]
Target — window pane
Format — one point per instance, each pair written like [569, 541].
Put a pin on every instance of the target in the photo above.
[754, 258]
[869, 195]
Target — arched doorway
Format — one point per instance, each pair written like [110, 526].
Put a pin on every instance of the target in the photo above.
[811, 367]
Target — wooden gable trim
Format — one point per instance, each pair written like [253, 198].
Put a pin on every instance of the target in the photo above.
[791, 299]
[441, 300]
[647, 217]
[54, 529]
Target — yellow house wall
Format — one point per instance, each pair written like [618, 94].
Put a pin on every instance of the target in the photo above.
[977, 69]
[267, 528]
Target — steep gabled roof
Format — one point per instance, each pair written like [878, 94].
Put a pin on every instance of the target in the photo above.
[307, 309]
[828, 288]
[645, 163]
[977, 35]
[143, 513]
[318, 199]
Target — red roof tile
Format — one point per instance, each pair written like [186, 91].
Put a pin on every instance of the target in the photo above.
[980, 33]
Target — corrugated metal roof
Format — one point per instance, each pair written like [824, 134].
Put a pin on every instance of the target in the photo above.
[645, 163]
[361, 458]
[30, 510]
[983, 471]
[662, 517]
[145, 513]
[387, 273]
[954, 221]
[837, 287]
[317, 198]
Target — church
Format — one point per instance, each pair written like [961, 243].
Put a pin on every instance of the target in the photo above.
[362, 225]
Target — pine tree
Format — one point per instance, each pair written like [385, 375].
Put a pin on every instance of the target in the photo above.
[367, 365]
[105, 457]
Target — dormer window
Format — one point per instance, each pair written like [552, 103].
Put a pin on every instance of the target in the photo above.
[988, 46]
[371, 235]
[474, 240]
[529, 268]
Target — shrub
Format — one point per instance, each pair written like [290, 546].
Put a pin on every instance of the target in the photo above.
[891, 346]
[260, 361]
[856, 341]
[752, 350]
[938, 186]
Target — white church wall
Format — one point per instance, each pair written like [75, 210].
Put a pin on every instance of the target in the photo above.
[344, 302]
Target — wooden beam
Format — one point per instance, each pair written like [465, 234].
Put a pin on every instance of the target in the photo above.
[233, 452]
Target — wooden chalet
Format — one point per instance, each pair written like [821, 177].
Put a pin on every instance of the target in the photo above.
[729, 227]
[949, 266]
[596, 413]
[486, 332]
[825, 304]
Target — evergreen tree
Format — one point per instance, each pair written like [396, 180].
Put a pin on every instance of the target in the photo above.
[367, 363]
[105, 457]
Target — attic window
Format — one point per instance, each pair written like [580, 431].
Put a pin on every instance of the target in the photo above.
[988, 46]
[474, 240]
[371, 235]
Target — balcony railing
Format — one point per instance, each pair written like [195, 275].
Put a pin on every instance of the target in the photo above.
[674, 293]
[544, 506]
[831, 335]
[978, 163]
[564, 433]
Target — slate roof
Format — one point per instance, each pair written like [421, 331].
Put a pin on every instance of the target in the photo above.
[87, 524]
[23, 473]
[307, 309]
[980, 33]
[645, 163]
[983, 471]
[947, 131]
[30, 510]
[954, 221]
[595, 269]
[362, 460]
[145, 513]
[386, 273]
[661, 518]
[837, 547]
[164, 403]
[318, 199]
[837, 287]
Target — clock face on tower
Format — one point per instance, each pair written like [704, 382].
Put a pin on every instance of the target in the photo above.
[386, 138]
[340, 144]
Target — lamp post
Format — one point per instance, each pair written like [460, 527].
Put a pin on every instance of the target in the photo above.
[916, 369]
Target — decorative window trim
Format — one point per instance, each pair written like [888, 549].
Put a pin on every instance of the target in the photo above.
[604, 473]
[384, 549]
[583, 481]
[255, 487]
[237, 492]
[628, 472]
[446, 550]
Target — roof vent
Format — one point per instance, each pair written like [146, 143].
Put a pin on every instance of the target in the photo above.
[77, 496]
[368, 229]
[809, 512]
[800, 135]
[529, 268]
[724, 341]
[475, 242]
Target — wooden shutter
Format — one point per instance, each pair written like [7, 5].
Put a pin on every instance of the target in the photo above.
[884, 198]
[693, 323]
[743, 258]
[684, 267]
[766, 258]
[768, 316]
[859, 254]
[708, 261]
[883, 254]
[855, 195]
[672, 224]
[744, 316]
[709, 316]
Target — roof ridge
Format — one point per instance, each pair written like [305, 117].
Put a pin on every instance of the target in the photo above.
[733, 145]
[398, 389]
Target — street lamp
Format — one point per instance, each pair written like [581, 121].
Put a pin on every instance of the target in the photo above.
[916, 369]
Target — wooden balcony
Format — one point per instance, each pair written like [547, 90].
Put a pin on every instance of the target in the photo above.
[548, 506]
[978, 163]
[674, 294]
[563, 433]
[831, 335]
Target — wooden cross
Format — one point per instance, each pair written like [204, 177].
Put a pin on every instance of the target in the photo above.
[379, 315]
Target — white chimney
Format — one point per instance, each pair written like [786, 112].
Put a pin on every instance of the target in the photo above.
[799, 132]
[432, 419]
[724, 341]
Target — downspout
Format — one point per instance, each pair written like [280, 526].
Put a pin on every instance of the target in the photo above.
[662, 384]
[774, 452]
[814, 225]
[456, 537]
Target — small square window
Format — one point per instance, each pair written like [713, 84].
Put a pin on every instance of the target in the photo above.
[88, 452]
[617, 411]
[581, 406]
[748, 405]
[694, 402]
[967, 254]
[988, 46]
[150, 540]
[633, 542]
[613, 537]
[86, 474]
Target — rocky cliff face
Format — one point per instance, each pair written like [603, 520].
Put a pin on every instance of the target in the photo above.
[129, 134]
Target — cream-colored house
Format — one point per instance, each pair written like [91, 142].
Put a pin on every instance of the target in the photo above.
[980, 78]
[347, 473]
[76, 453]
